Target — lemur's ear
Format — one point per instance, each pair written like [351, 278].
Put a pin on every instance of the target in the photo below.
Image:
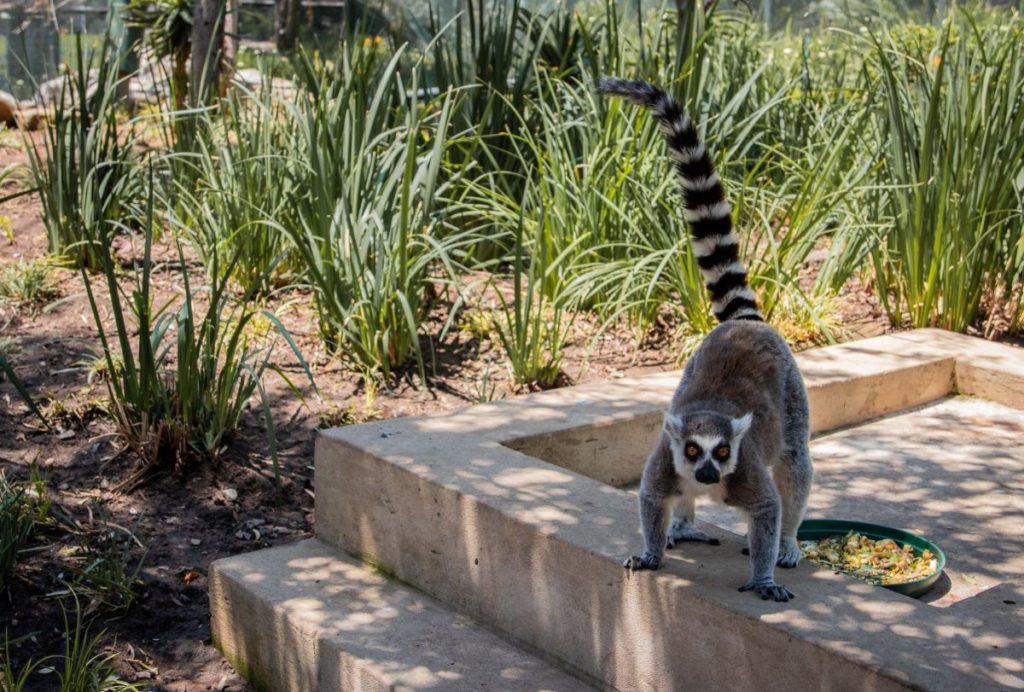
[740, 426]
[673, 423]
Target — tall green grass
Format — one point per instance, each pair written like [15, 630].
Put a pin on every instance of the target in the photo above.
[601, 188]
[947, 115]
[602, 200]
[180, 377]
[490, 51]
[395, 170]
[86, 170]
[79, 669]
[366, 225]
[532, 327]
[240, 190]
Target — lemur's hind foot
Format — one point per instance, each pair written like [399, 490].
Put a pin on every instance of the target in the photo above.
[681, 532]
[789, 553]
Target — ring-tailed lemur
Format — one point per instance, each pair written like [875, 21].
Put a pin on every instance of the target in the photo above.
[741, 407]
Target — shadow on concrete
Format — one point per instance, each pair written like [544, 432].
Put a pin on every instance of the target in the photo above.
[534, 550]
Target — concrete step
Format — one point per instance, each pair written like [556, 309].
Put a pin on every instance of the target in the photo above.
[309, 617]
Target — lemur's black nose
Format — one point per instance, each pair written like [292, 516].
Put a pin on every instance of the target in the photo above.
[707, 474]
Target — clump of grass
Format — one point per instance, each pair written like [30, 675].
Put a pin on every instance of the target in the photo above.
[338, 415]
[11, 679]
[491, 50]
[30, 283]
[948, 113]
[84, 669]
[180, 380]
[808, 321]
[531, 328]
[478, 323]
[22, 506]
[105, 569]
[367, 228]
[245, 187]
[81, 668]
[85, 170]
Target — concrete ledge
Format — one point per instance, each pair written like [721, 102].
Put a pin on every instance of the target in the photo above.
[461, 505]
[306, 617]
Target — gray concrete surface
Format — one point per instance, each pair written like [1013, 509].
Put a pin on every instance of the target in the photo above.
[308, 617]
[952, 471]
[505, 514]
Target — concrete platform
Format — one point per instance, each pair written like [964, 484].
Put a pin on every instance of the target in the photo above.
[317, 619]
[509, 514]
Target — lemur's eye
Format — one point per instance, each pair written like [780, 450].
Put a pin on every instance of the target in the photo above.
[722, 452]
[692, 451]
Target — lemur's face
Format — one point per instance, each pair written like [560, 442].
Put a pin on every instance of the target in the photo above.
[706, 445]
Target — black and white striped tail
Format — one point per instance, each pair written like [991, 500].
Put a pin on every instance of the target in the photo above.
[714, 241]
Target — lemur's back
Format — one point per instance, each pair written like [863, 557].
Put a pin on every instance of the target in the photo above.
[739, 361]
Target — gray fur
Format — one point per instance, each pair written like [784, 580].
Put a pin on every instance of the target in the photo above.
[741, 410]
[741, 367]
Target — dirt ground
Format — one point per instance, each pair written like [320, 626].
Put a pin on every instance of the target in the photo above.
[179, 523]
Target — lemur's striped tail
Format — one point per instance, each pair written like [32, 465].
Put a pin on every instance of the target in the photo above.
[714, 242]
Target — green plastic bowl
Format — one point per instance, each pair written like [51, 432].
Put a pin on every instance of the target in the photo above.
[815, 529]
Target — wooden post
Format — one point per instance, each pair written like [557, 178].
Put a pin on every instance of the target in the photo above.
[286, 24]
[231, 17]
[207, 50]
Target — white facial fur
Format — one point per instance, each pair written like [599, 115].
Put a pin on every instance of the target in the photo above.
[707, 443]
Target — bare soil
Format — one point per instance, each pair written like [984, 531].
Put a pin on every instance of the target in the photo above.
[180, 522]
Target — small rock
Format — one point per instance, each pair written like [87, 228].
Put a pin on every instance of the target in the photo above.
[253, 523]
[63, 90]
[230, 494]
[31, 118]
[250, 78]
[195, 541]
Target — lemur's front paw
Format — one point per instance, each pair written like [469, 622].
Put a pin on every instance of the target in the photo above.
[789, 553]
[769, 589]
[636, 562]
[679, 532]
